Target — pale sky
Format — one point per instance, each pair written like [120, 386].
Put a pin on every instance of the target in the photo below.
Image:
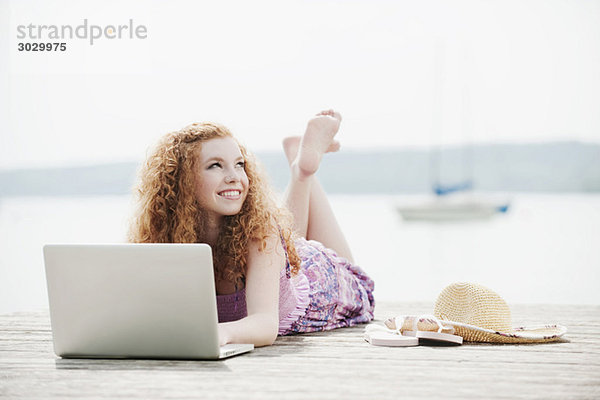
[402, 73]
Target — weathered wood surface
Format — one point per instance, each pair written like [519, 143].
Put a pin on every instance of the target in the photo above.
[330, 365]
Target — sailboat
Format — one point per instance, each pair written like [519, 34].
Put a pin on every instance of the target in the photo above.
[459, 201]
[455, 207]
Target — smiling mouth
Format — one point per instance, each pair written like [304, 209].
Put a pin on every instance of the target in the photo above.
[231, 194]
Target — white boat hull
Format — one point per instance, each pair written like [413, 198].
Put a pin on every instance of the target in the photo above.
[451, 209]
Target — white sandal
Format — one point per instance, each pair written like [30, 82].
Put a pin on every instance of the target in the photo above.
[379, 335]
[426, 332]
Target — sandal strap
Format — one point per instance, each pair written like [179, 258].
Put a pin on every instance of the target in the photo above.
[433, 318]
[400, 320]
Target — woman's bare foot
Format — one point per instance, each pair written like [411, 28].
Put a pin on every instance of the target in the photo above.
[316, 141]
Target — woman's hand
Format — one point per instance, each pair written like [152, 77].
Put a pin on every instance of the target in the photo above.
[223, 334]
[258, 329]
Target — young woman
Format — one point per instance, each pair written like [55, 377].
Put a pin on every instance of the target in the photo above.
[276, 272]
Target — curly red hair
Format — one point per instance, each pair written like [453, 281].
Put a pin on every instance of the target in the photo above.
[168, 211]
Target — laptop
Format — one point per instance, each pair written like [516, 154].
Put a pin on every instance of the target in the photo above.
[134, 301]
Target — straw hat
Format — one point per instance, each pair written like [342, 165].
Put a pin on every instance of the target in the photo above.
[480, 315]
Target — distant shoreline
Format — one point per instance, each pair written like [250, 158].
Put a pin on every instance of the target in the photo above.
[546, 167]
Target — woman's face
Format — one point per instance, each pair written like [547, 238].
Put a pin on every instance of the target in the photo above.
[221, 181]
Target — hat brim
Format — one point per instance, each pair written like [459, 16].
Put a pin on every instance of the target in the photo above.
[533, 334]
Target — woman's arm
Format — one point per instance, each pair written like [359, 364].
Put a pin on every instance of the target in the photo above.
[261, 325]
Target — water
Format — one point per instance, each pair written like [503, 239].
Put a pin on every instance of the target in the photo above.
[545, 250]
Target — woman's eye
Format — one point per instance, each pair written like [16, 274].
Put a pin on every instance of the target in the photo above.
[241, 164]
[214, 165]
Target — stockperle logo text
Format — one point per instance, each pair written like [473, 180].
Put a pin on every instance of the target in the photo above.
[86, 31]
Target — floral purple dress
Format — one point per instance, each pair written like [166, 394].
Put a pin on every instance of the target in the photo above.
[327, 293]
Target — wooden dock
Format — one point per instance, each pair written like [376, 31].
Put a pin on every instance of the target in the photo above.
[330, 365]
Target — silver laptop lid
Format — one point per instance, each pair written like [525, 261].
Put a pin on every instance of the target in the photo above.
[132, 300]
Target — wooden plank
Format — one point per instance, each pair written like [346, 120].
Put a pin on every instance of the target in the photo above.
[325, 365]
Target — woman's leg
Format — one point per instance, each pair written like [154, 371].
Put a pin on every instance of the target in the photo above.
[297, 199]
[305, 197]
[322, 224]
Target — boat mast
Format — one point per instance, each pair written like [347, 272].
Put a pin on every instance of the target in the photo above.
[435, 152]
[468, 171]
